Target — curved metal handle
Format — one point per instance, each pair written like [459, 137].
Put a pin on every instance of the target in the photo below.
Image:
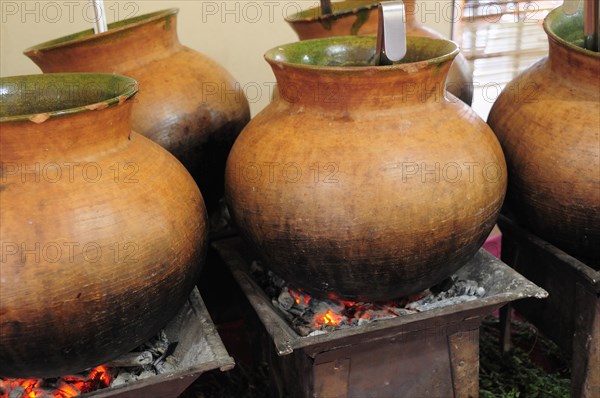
[391, 35]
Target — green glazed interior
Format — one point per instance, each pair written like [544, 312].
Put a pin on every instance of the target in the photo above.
[112, 27]
[567, 29]
[57, 94]
[338, 8]
[358, 51]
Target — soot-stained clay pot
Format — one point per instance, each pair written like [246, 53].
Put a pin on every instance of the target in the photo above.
[363, 181]
[187, 103]
[102, 231]
[548, 122]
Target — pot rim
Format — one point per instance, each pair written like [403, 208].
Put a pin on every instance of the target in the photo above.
[129, 85]
[295, 18]
[554, 16]
[113, 28]
[410, 67]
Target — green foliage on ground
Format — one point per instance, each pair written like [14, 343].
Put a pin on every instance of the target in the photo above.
[516, 375]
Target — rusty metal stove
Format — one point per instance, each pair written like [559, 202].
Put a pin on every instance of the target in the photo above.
[199, 349]
[433, 353]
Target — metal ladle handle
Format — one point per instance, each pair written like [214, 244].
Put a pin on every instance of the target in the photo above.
[591, 24]
[591, 20]
[391, 34]
[326, 7]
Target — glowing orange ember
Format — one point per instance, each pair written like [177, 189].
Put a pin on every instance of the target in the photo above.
[329, 318]
[102, 374]
[348, 303]
[300, 297]
[67, 391]
[68, 386]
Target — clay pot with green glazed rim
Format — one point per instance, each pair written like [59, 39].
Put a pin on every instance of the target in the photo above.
[103, 232]
[548, 122]
[187, 103]
[364, 182]
[360, 17]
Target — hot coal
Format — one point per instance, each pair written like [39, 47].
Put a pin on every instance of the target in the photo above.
[150, 359]
[61, 387]
[311, 316]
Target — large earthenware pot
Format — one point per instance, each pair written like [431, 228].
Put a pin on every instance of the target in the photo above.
[548, 122]
[360, 17]
[363, 181]
[102, 231]
[187, 103]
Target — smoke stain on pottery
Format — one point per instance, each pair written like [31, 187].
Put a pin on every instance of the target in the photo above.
[548, 122]
[131, 227]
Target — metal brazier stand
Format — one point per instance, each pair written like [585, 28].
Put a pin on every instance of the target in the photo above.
[199, 350]
[571, 315]
[433, 353]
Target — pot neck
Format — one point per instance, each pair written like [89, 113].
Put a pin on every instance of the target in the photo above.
[126, 45]
[367, 87]
[81, 137]
[579, 66]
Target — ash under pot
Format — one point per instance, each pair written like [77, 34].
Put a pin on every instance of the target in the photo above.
[310, 316]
